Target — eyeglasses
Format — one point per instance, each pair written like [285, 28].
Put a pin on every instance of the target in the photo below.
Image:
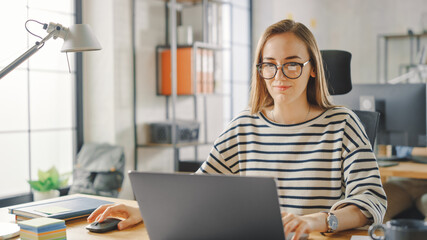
[291, 70]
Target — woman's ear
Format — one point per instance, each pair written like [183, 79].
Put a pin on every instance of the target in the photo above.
[313, 73]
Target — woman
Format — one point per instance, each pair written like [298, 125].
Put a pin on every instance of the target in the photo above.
[327, 175]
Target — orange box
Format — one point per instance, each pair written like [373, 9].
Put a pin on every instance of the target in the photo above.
[185, 83]
[184, 78]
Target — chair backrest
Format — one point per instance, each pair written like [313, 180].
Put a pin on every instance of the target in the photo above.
[99, 170]
[338, 75]
[336, 64]
[370, 121]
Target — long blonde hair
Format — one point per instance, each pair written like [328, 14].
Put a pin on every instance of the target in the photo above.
[317, 89]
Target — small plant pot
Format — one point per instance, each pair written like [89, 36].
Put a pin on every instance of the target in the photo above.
[37, 196]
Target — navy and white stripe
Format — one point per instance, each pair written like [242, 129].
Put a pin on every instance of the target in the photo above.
[322, 164]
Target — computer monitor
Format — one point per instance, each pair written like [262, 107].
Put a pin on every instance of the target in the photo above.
[402, 108]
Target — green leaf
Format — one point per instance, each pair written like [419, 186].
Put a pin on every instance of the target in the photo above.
[49, 180]
[44, 187]
[36, 185]
[54, 175]
[49, 184]
[42, 175]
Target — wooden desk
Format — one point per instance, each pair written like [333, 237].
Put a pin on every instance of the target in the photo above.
[76, 228]
[405, 169]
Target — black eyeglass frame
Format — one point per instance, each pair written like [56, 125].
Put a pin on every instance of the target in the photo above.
[282, 67]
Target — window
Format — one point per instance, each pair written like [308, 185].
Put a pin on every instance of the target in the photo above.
[38, 99]
[237, 35]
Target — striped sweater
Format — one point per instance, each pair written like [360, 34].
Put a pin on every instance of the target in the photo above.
[319, 165]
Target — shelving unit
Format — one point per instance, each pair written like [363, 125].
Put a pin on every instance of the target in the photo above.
[172, 8]
[383, 44]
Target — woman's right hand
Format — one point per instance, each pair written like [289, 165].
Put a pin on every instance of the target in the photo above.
[130, 214]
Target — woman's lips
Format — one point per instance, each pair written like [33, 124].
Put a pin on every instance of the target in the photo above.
[282, 88]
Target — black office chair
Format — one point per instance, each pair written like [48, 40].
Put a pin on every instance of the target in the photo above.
[338, 75]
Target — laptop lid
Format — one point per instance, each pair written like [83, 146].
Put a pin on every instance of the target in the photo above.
[183, 206]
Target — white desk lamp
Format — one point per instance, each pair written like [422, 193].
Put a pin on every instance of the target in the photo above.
[77, 38]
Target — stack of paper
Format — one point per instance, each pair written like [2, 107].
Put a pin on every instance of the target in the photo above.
[43, 229]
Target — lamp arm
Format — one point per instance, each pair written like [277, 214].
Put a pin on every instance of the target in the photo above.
[25, 55]
[402, 77]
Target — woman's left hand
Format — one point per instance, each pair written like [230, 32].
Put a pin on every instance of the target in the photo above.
[303, 224]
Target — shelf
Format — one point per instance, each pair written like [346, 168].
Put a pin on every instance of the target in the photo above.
[198, 94]
[186, 1]
[187, 166]
[168, 145]
[382, 51]
[192, 161]
[406, 35]
[180, 4]
[196, 44]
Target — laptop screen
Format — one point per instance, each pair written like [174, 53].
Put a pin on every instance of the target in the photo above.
[183, 206]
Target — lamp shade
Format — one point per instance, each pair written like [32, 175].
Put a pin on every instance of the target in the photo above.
[80, 38]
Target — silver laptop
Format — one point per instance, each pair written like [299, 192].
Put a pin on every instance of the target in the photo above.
[183, 206]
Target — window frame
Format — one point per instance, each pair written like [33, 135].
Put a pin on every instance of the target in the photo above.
[28, 197]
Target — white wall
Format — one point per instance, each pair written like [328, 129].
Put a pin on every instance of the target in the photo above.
[108, 79]
[351, 25]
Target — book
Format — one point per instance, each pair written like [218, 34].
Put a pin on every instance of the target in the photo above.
[59, 208]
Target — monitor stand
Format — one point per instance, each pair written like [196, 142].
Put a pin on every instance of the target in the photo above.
[393, 159]
[390, 161]
[419, 159]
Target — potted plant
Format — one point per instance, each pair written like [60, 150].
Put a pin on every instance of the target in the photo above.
[48, 184]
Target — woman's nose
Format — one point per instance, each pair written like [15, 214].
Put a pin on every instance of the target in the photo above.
[279, 74]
